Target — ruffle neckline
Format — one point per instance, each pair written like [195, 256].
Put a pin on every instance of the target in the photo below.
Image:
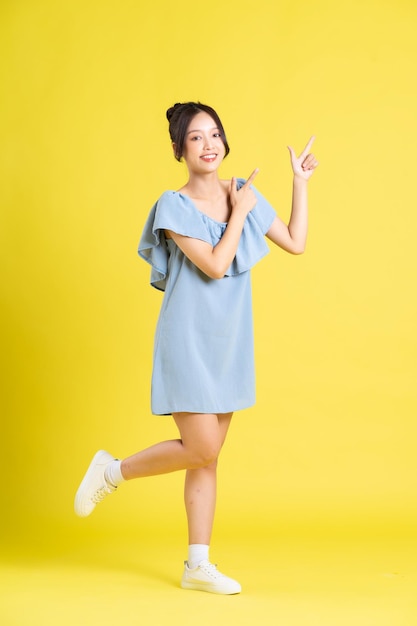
[177, 212]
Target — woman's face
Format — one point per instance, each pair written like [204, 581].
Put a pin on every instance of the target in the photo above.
[203, 146]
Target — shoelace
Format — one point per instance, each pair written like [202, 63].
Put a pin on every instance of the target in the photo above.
[211, 570]
[101, 493]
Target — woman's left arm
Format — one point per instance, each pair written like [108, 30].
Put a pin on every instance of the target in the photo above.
[292, 236]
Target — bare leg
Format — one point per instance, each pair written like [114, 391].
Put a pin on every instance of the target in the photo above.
[199, 446]
[200, 485]
[202, 437]
[161, 458]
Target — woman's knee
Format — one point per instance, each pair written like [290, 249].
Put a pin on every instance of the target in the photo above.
[204, 455]
[201, 437]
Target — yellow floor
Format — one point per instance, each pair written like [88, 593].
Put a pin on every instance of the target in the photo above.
[299, 577]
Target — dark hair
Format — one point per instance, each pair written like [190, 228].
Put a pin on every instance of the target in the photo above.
[179, 117]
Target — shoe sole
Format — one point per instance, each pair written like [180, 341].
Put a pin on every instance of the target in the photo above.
[206, 587]
[78, 496]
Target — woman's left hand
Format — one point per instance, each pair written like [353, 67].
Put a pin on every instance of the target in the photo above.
[304, 165]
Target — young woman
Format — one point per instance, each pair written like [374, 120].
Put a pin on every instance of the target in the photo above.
[201, 242]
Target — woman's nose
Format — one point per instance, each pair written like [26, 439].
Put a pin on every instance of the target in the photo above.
[208, 143]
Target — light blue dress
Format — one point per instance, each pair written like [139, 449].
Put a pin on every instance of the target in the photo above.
[203, 353]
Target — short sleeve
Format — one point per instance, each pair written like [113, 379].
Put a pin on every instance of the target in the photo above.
[175, 211]
[252, 245]
[263, 212]
[172, 212]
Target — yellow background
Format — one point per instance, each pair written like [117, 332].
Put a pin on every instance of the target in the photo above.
[324, 466]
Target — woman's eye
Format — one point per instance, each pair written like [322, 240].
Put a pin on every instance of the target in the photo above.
[216, 135]
[195, 138]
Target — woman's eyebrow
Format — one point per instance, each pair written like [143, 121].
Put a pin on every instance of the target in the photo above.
[198, 130]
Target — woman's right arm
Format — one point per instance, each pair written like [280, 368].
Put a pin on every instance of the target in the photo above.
[215, 260]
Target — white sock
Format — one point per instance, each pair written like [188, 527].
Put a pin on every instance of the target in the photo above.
[197, 552]
[113, 473]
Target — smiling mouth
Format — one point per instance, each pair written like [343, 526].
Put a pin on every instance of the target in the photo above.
[209, 157]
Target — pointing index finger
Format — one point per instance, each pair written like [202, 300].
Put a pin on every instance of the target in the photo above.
[308, 146]
[252, 177]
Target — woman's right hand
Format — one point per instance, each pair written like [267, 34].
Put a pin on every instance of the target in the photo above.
[243, 199]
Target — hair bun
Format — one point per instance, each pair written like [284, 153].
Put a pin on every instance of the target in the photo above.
[170, 111]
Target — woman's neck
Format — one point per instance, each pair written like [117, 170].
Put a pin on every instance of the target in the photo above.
[203, 187]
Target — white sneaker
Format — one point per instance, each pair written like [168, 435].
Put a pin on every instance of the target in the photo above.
[206, 577]
[94, 487]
